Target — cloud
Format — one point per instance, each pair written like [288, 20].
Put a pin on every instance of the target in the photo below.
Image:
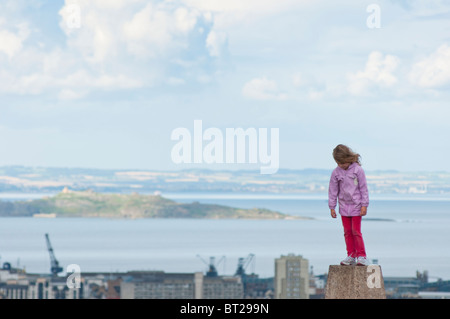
[229, 12]
[110, 45]
[147, 30]
[378, 72]
[216, 43]
[67, 94]
[12, 42]
[262, 89]
[71, 85]
[432, 71]
[298, 80]
[157, 30]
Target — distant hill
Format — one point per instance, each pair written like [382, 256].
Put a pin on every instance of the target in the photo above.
[51, 180]
[91, 204]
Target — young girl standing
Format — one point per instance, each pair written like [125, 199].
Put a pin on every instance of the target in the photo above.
[348, 184]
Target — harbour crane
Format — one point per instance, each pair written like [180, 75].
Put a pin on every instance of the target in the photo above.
[242, 265]
[55, 268]
[212, 271]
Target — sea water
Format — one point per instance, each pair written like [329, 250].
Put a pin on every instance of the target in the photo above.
[404, 235]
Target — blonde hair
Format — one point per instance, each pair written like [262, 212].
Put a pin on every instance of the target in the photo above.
[343, 154]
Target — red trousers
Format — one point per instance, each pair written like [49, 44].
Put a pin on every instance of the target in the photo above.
[353, 237]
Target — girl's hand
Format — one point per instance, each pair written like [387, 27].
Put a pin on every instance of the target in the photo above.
[363, 211]
[333, 213]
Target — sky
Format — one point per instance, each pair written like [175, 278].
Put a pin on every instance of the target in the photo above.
[104, 83]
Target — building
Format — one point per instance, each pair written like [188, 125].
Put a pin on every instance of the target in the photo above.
[13, 283]
[291, 277]
[161, 285]
[317, 285]
[16, 284]
[220, 287]
[157, 285]
[434, 295]
[257, 288]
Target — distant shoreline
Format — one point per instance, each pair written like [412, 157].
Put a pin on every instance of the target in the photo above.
[243, 196]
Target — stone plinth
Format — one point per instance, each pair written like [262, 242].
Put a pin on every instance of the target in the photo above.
[355, 282]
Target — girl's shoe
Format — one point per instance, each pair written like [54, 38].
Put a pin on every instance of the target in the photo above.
[362, 261]
[348, 261]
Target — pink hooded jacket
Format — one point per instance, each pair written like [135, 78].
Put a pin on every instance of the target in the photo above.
[350, 187]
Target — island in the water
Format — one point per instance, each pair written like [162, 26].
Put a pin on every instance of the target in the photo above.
[92, 204]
